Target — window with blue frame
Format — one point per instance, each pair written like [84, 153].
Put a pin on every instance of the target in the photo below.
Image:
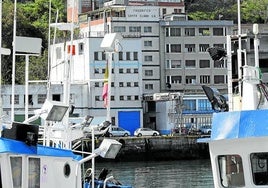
[189, 105]
[204, 105]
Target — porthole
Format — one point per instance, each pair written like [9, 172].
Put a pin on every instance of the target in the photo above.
[67, 170]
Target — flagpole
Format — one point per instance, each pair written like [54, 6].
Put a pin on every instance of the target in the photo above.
[110, 59]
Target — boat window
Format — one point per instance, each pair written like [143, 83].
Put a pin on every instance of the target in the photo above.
[67, 170]
[259, 166]
[34, 173]
[16, 169]
[231, 171]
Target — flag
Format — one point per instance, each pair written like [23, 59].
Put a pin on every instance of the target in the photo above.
[105, 87]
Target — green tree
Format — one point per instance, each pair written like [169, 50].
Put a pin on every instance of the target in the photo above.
[253, 11]
[32, 21]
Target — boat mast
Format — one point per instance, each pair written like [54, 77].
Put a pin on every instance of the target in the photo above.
[13, 60]
[239, 50]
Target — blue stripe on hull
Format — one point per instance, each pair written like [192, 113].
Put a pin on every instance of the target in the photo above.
[18, 147]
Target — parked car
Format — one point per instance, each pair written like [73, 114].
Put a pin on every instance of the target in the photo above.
[206, 129]
[146, 132]
[118, 131]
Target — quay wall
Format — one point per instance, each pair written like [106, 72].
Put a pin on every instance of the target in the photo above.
[159, 148]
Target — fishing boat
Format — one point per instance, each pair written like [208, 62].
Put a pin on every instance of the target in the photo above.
[24, 163]
[239, 137]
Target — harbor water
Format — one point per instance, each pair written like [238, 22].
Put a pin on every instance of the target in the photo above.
[163, 174]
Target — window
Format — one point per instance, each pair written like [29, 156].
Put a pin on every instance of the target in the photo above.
[149, 86]
[190, 63]
[175, 64]
[96, 56]
[203, 47]
[136, 84]
[112, 98]
[148, 43]
[204, 32]
[119, 29]
[175, 32]
[121, 84]
[189, 105]
[259, 168]
[148, 72]
[147, 29]
[34, 173]
[121, 97]
[16, 99]
[136, 70]
[97, 98]
[128, 84]
[56, 97]
[103, 56]
[204, 64]
[121, 71]
[148, 58]
[127, 55]
[167, 32]
[136, 97]
[128, 70]
[218, 31]
[231, 171]
[190, 79]
[219, 79]
[219, 64]
[189, 47]
[204, 105]
[176, 79]
[30, 99]
[173, 48]
[97, 84]
[164, 11]
[120, 54]
[204, 79]
[96, 71]
[134, 29]
[219, 45]
[177, 10]
[135, 56]
[80, 48]
[16, 170]
[129, 98]
[189, 32]
[41, 98]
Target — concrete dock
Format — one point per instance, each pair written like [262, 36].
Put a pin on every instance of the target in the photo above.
[153, 148]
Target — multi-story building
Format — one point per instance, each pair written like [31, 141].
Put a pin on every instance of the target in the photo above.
[160, 52]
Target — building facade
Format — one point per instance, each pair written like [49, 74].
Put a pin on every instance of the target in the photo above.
[161, 51]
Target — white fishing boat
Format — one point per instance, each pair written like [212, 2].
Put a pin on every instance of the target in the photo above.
[26, 164]
[238, 144]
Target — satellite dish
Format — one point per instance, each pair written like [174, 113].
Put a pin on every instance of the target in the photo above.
[218, 101]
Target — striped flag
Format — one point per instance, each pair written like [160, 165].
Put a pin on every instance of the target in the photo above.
[105, 87]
